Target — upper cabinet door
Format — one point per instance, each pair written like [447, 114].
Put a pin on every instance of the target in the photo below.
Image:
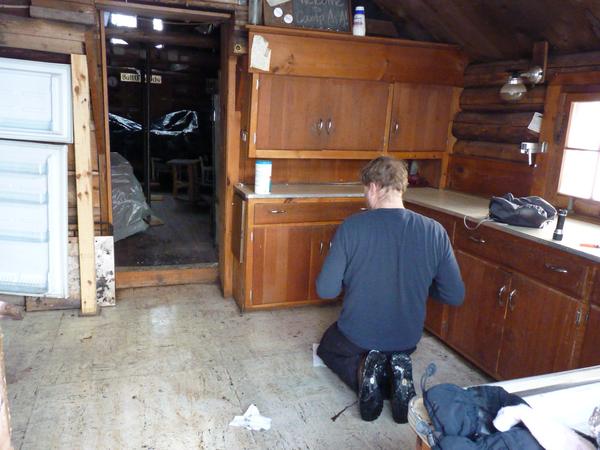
[356, 114]
[35, 101]
[421, 115]
[290, 113]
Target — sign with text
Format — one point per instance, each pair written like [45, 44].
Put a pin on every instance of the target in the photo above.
[137, 78]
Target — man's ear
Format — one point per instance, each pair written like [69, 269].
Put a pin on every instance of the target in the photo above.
[373, 189]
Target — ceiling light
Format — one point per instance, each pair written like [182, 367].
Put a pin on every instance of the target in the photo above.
[514, 89]
[159, 46]
[157, 24]
[123, 20]
[117, 41]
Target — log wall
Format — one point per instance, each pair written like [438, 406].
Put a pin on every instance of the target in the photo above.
[486, 159]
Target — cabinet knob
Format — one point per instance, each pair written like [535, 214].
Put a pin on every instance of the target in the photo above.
[554, 268]
[329, 125]
[364, 209]
[396, 128]
[329, 245]
[278, 211]
[320, 126]
[511, 297]
[500, 292]
[321, 248]
[244, 136]
[477, 239]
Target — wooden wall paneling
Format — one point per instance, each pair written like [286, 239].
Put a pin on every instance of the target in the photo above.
[42, 35]
[65, 11]
[93, 61]
[451, 140]
[229, 160]
[494, 127]
[545, 180]
[83, 167]
[491, 150]
[396, 60]
[487, 177]
[106, 128]
[488, 99]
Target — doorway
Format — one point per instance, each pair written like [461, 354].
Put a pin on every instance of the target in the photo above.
[164, 138]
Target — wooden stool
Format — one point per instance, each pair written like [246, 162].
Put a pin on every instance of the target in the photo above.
[178, 168]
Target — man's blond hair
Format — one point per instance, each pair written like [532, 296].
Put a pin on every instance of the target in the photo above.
[386, 173]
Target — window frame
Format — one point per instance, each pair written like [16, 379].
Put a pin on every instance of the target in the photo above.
[585, 207]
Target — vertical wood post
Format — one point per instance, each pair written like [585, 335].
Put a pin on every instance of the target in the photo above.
[83, 182]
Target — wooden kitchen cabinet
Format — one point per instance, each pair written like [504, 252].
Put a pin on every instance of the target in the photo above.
[475, 328]
[281, 272]
[590, 352]
[539, 330]
[289, 113]
[283, 245]
[304, 114]
[421, 115]
[355, 112]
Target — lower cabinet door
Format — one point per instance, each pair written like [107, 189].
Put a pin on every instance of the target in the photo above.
[475, 328]
[590, 353]
[322, 236]
[539, 330]
[281, 264]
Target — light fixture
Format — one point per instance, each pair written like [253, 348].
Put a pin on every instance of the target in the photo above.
[514, 89]
[159, 46]
[117, 41]
[123, 20]
[157, 24]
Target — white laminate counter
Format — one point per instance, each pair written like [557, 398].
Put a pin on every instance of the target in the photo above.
[457, 204]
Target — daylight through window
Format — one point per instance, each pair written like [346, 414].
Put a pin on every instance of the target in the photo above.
[580, 173]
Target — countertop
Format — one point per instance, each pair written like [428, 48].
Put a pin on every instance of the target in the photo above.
[457, 204]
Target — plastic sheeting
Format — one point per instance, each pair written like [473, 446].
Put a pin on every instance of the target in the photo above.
[129, 204]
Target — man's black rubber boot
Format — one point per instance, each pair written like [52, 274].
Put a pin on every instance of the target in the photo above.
[403, 388]
[370, 395]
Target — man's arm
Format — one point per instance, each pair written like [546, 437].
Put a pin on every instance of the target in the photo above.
[447, 285]
[330, 280]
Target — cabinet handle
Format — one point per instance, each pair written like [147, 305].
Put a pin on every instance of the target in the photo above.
[477, 239]
[555, 268]
[511, 297]
[320, 126]
[396, 128]
[278, 211]
[329, 245]
[500, 292]
[321, 248]
[329, 125]
[364, 209]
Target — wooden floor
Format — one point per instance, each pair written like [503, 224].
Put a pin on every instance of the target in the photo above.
[183, 239]
[168, 368]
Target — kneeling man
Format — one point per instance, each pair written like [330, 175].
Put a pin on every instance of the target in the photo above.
[387, 261]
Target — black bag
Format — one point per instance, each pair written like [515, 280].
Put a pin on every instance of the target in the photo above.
[531, 212]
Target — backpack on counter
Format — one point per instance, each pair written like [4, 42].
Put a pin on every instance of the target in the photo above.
[532, 212]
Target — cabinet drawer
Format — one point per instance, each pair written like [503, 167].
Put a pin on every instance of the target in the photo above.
[446, 220]
[270, 213]
[558, 269]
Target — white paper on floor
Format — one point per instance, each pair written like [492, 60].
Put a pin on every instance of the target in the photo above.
[252, 420]
[317, 362]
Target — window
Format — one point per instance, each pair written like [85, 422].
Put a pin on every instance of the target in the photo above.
[580, 173]
[123, 20]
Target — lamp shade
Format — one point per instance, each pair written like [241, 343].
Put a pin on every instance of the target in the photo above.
[514, 89]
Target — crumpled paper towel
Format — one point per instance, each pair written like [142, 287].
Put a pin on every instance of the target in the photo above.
[252, 420]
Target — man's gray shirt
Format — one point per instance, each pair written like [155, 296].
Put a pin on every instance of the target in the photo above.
[387, 261]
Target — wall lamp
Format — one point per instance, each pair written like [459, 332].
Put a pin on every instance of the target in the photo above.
[514, 89]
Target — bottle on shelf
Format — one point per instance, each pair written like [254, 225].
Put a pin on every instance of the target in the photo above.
[359, 27]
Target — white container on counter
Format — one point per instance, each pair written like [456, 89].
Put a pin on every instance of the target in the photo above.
[262, 177]
[359, 27]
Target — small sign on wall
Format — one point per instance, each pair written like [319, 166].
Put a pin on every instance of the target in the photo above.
[137, 78]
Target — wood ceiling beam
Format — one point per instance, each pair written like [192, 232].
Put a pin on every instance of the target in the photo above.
[160, 37]
[163, 12]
